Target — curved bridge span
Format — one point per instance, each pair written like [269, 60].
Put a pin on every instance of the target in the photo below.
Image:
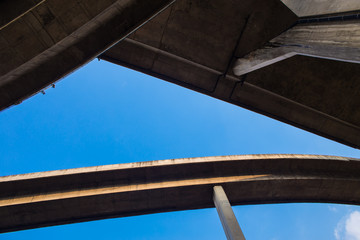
[77, 195]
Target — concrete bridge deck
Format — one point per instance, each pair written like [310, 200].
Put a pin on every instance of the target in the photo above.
[77, 195]
[196, 44]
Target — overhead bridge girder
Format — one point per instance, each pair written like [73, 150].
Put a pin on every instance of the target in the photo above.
[78, 195]
[339, 41]
[46, 40]
[195, 45]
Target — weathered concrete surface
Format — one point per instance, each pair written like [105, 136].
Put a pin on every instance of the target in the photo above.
[77, 195]
[331, 88]
[13, 9]
[52, 38]
[195, 46]
[226, 214]
[314, 40]
[304, 8]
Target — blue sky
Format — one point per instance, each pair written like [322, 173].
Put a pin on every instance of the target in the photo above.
[106, 114]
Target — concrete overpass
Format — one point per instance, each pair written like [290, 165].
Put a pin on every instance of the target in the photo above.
[295, 61]
[77, 195]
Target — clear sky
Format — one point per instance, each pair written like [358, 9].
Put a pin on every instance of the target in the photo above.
[106, 114]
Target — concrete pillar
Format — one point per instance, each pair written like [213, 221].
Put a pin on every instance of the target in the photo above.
[228, 220]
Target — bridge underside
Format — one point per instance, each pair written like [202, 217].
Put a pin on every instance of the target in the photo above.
[197, 46]
[77, 195]
[228, 50]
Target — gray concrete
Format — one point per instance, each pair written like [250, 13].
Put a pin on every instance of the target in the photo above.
[227, 217]
[53, 38]
[263, 57]
[10, 13]
[192, 44]
[77, 195]
[304, 8]
[299, 90]
[312, 40]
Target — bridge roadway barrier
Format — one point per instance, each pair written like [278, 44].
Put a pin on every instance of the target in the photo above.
[84, 194]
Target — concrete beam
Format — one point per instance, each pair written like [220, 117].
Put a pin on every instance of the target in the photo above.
[57, 37]
[77, 195]
[201, 78]
[11, 10]
[304, 8]
[204, 64]
[227, 217]
[262, 58]
[334, 41]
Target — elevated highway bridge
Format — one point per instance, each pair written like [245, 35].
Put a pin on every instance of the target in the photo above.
[294, 61]
[77, 195]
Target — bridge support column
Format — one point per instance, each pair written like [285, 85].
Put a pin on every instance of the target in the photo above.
[227, 217]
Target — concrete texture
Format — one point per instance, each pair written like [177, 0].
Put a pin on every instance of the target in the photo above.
[330, 87]
[78, 195]
[304, 8]
[9, 13]
[42, 42]
[195, 46]
[307, 40]
[228, 220]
